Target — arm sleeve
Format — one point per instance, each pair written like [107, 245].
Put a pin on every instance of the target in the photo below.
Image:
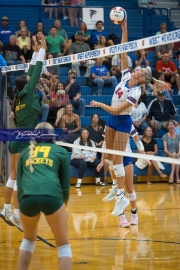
[64, 176]
[36, 72]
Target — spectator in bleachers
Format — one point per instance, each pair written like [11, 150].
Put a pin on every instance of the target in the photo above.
[22, 23]
[40, 28]
[150, 148]
[52, 71]
[58, 101]
[143, 94]
[148, 4]
[96, 34]
[100, 75]
[62, 32]
[12, 52]
[63, 10]
[163, 28]
[160, 111]
[171, 142]
[54, 43]
[162, 49]
[103, 43]
[80, 46]
[139, 116]
[142, 60]
[5, 32]
[73, 12]
[167, 88]
[70, 124]
[86, 33]
[96, 135]
[50, 10]
[168, 68]
[116, 65]
[82, 159]
[44, 102]
[24, 43]
[73, 89]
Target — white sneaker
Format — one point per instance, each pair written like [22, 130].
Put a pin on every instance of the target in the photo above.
[5, 215]
[65, 18]
[123, 222]
[16, 221]
[120, 205]
[134, 219]
[111, 195]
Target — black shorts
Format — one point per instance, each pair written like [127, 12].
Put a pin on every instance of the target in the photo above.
[32, 205]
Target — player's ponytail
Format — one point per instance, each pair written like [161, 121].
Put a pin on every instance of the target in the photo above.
[31, 154]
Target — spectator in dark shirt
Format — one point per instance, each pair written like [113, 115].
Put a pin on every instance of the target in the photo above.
[73, 89]
[40, 28]
[12, 52]
[5, 31]
[160, 111]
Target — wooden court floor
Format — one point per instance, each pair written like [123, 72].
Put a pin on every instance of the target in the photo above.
[97, 240]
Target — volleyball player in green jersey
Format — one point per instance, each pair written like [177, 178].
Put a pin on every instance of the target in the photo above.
[26, 111]
[43, 180]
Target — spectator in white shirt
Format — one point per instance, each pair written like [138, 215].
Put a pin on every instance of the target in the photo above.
[139, 115]
[116, 65]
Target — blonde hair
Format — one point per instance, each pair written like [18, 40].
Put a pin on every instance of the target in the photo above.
[158, 87]
[48, 129]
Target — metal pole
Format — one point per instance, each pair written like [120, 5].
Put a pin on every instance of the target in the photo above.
[6, 125]
[1, 143]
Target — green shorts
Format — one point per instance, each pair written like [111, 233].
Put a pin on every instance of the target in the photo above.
[17, 147]
[32, 205]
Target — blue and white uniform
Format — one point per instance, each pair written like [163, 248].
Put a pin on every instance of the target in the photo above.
[123, 121]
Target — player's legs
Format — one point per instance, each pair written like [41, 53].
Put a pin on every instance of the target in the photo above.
[30, 227]
[7, 212]
[130, 190]
[59, 226]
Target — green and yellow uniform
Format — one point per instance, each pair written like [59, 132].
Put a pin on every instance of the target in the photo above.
[28, 107]
[48, 184]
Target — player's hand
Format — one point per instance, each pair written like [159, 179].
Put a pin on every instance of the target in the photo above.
[36, 48]
[94, 103]
[43, 42]
[99, 166]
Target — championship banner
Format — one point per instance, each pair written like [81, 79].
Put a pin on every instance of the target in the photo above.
[91, 16]
[169, 37]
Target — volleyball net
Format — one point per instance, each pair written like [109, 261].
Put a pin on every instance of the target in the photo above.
[62, 66]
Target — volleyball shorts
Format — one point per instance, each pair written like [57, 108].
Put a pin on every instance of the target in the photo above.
[121, 123]
[32, 205]
[17, 147]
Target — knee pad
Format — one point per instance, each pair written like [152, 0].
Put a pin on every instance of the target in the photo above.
[15, 186]
[27, 245]
[110, 162]
[10, 183]
[64, 251]
[119, 170]
[132, 196]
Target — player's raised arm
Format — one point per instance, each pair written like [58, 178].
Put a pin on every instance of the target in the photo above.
[124, 39]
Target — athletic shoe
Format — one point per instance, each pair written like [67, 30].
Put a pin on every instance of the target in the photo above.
[121, 204]
[123, 222]
[134, 219]
[111, 195]
[16, 221]
[5, 215]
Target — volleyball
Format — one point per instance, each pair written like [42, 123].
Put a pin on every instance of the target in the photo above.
[118, 15]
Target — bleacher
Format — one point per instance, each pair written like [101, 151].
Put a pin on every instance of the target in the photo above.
[138, 27]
